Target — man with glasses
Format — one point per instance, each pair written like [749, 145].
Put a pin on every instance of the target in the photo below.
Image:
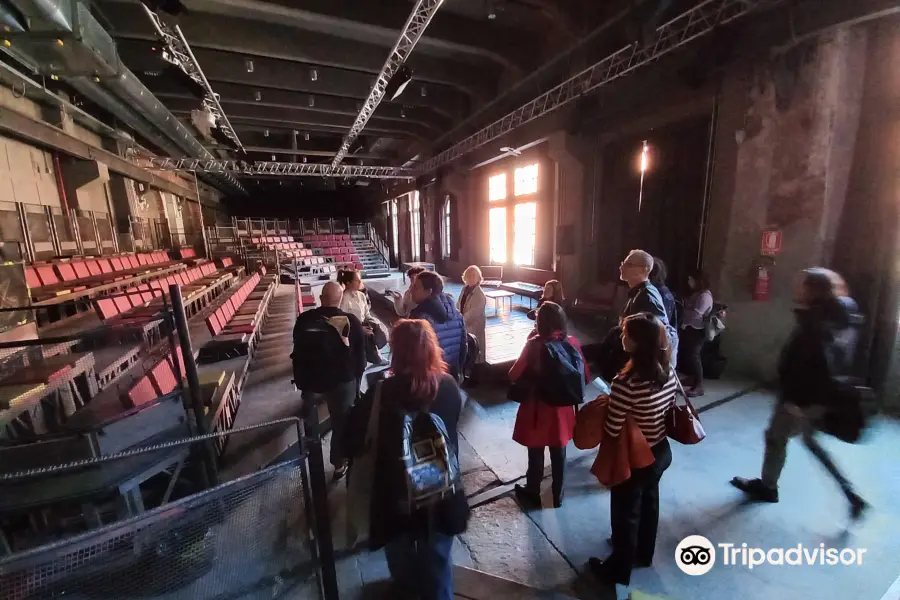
[643, 297]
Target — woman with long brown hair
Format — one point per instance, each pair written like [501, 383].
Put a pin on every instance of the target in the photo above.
[417, 544]
[645, 390]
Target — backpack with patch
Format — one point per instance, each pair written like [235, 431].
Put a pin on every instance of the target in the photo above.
[319, 343]
[430, 461]
[561, 380]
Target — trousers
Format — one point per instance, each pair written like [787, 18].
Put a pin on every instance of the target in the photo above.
[535, 472]
[339, 400]
[634, 514]
[788, 422]
[422, 567]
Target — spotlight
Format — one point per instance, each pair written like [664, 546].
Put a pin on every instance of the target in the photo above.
[398, 83]
[257, 95]
[274, 158]
[304, 159]
[312, 101]
[313, 75]
[306, 136]
[265, 133]
[424, 91]
[249, 64]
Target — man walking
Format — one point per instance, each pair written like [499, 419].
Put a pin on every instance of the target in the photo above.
[329, 359]
[438, 308]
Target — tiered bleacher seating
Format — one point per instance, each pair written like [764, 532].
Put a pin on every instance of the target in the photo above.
[159, 381]
[144, 300]
[338, 246]
[236, 324]
[49, 279]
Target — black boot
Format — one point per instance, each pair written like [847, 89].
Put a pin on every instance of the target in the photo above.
[756, 489]
[526, 497]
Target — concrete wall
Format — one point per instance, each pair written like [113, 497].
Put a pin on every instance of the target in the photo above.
[785, 141]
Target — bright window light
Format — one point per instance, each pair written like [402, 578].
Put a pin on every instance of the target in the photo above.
[497, 187]
[526, 180]
[395, 227]
[447, 230]
[497, 224]
[524, 232]
[415, 226]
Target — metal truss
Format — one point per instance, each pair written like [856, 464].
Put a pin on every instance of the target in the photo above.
[681, 30]
[179, 53]
[261, 168]
[415, 26]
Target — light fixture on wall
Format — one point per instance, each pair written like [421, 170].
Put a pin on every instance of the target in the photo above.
[643, 166]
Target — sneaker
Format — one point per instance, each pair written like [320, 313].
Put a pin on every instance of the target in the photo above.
[756, 489]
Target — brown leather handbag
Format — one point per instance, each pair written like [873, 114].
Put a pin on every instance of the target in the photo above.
[683, 423]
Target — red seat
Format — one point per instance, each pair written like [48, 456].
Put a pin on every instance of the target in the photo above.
[122, 303]
[31, 278]
[46, 275]
[133, 261]
[105, 267]
[92, 267]
[163, 378]
[140, 393]
[66, 271]
[106, 308]
[213, 324]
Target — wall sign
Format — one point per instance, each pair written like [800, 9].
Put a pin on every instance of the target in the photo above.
[771, 242]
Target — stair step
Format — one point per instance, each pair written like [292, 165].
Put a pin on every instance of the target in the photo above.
[470, 584]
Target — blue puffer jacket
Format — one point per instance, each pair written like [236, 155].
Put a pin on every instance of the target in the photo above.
[449, 326]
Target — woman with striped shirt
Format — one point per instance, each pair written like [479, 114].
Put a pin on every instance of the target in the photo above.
[645, 390]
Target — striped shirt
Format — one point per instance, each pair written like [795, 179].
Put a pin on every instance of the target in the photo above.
[648, 408]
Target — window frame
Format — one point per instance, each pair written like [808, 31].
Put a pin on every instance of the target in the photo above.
[447, 227]
[508, 169]
[415, 226]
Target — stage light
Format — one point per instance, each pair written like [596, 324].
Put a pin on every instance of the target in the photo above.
[265, 133]
[313, 75]
[257, 95]
[423, 91]
[249, 65]
[398, 83]
[312, 101]
[274, 158]
[306, 136]
[645, 157]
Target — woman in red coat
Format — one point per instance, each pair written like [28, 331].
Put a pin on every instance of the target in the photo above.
[541, 425]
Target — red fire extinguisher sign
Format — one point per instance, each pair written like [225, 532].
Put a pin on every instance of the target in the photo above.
[771, 242]
[761, 287]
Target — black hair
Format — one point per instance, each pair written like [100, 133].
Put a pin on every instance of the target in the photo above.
[413, 271]
[551, 318]
[701, 280]
[431, 282]
[651, 355]
[346, 276]
[659, 273]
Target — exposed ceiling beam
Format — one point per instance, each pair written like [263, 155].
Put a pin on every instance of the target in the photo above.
[244, 123]
[286, 44]
[453, 34]
[238, 94]
[226, 68]
[238, 112]
[304, 152]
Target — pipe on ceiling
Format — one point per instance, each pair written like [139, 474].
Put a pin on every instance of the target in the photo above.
[147, 112]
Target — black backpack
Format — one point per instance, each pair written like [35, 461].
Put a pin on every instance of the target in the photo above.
[319, 343]
[561, 380]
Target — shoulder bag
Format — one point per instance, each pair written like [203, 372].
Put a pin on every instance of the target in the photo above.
[682, 422]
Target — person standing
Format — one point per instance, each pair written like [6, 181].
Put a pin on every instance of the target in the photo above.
[820, 349]
[540, 424]
[417, 544]
[403, 303]
[471, 304]
[329, 359]
[645, 390]
[697, 309]
[356, 302]
[438, 308]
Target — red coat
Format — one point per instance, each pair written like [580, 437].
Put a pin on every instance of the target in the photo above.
[539, 424]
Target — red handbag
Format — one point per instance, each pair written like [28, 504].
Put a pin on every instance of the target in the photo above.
[683, 423]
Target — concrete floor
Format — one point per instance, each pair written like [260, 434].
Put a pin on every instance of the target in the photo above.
[547, 549]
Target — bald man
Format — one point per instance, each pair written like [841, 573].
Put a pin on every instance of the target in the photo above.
[329, 359]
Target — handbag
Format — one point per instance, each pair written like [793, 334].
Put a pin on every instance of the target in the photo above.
[361, 478]
[589, 423]
[682, 422]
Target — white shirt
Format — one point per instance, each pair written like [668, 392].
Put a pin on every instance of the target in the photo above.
[357, 304]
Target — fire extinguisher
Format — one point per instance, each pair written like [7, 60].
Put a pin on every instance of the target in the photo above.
[762, 283]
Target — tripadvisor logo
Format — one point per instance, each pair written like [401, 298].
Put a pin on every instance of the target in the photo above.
[696, 555]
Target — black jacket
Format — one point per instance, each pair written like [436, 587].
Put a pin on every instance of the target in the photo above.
[387, 522]
[822, 346]
[354, 368]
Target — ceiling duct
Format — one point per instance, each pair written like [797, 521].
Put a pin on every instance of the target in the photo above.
[63, 39]
[10, 18]
[128, 99]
